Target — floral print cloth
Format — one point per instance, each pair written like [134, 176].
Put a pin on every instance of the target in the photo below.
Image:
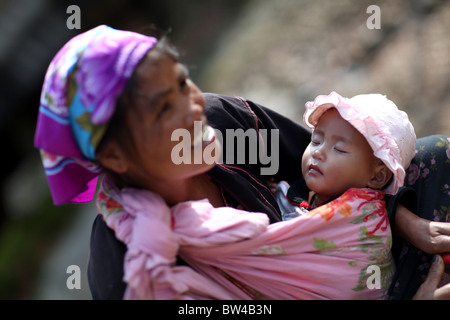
[429, 176]
[329, 253]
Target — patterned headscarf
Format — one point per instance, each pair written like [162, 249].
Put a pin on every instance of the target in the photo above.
[78, 99]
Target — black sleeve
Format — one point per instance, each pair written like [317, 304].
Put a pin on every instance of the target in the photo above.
[105, 268]
[225, 112]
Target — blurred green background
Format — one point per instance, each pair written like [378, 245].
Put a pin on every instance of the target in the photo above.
[278, 53]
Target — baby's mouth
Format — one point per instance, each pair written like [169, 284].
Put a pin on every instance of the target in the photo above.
[314, 170]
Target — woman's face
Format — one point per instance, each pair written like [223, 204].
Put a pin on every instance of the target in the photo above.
[338, 158]
[167, 100]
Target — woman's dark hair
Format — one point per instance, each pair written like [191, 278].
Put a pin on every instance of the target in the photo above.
[118, 129]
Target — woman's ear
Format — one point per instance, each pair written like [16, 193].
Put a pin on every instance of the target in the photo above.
[113, 158]
[382, 175]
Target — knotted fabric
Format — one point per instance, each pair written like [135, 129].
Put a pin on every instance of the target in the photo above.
[340, 250]
[78, 99]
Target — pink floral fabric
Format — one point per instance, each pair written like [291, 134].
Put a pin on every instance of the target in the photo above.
[329, 253]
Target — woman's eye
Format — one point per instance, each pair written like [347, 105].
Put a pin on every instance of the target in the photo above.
[183, 83]
[163, 110]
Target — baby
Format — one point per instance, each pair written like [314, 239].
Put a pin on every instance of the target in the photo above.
[362, 142]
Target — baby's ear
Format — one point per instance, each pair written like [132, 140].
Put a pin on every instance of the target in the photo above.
[113, 158]
[382, 175]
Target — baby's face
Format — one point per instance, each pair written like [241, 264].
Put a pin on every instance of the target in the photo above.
[338, 158]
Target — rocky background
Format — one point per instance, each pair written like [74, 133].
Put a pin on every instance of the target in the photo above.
[278, 53]
[284, 53]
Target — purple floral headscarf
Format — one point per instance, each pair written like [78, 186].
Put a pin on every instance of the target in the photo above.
[78, 99]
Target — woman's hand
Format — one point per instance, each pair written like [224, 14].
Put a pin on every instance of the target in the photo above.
[438, 238]
[430, 236]
[431, 289]
[434, 238]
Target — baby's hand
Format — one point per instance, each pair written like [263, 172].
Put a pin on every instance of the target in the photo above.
[272, 184]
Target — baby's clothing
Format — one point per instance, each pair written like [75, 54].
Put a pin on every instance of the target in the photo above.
[288, 209]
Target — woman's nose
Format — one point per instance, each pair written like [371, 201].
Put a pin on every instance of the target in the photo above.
[195, 94]
[196, 104]
[194, 113]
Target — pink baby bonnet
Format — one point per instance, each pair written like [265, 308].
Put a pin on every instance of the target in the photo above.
[386, 128]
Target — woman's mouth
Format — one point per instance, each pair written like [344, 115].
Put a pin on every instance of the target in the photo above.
[203, 137]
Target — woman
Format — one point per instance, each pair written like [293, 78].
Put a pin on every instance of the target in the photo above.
[91, 86]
